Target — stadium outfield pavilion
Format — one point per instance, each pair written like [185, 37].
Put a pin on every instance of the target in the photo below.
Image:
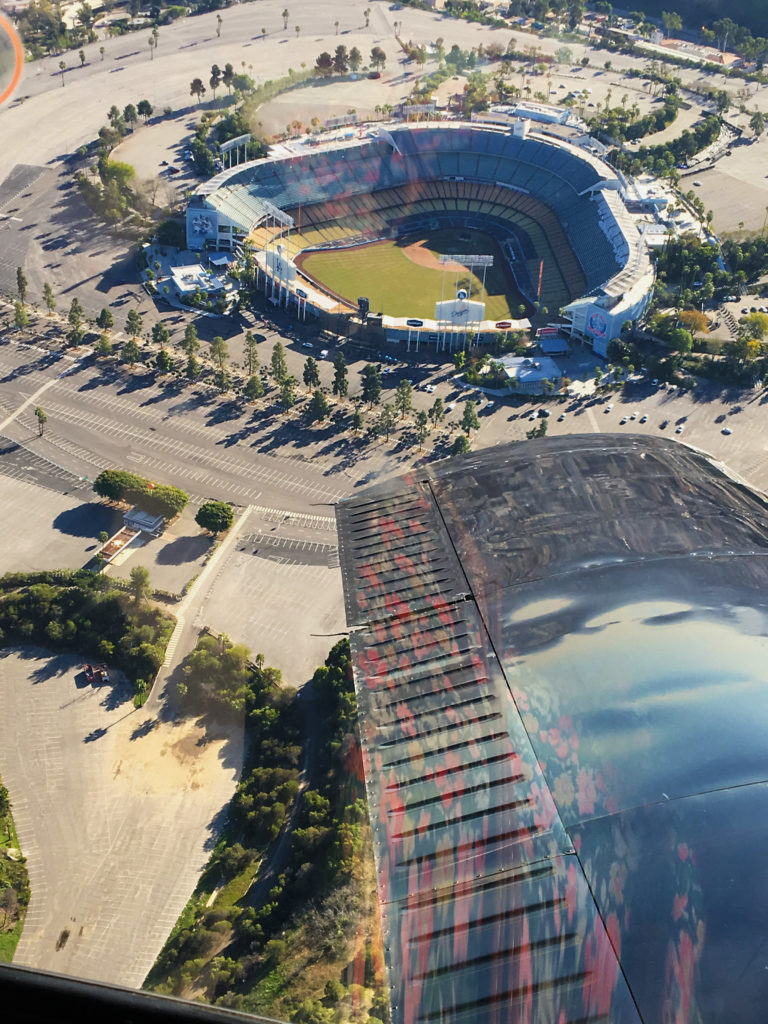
[558, 212]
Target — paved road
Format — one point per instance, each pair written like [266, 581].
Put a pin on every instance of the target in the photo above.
[98, 418]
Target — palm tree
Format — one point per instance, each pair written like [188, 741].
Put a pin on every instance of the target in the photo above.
[41, 420]
[286, 15]
[367, 15]
[297, 29]
[219, 20]
[102, 52]
[62, 69]
[151, 45]
[336, 24]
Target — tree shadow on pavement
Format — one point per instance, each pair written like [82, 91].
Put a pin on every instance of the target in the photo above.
[88, 520]
[183, 549]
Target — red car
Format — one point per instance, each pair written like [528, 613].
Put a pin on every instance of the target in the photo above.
[88, 670]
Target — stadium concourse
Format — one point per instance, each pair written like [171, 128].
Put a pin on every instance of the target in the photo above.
[559, 654]
[557, 211]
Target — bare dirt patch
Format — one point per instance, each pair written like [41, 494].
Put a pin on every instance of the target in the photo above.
[418, 253]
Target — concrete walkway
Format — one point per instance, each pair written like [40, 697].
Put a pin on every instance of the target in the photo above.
[162, 699]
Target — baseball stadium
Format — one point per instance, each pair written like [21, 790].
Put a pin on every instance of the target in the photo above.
[442, 228]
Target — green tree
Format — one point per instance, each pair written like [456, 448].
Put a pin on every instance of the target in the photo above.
[160, 334]
[340, 61]
[219, 351]
[340, 376]
[139, 585]
[103, 346]
[131, 352]
[278, 363]
[254, 388]
[76, 313]
[387, 420]
[355, 59]
[134, 323]
[459, 359]
[228, 76]
[197, 88]
[192, 369]
[371, 384]
[671, 21]
[469, 420]
[144, 109]
[404, 398]
[49, 298]
[42, 419]
[215, 79]
[75, 336]
[356, 421]
[222, 379]
[130, 115]
[324, 64]
[105, 320]
[190, 344]
[378, 57]
[20, 316]
[422, 427]
[757, 123]
[215, 516]
[285, 16]
[319, 407]
[164, 361]
[311, 374]
[251, 353]
[21, 284]
[288, 392]
[461, 445]
[437, 412]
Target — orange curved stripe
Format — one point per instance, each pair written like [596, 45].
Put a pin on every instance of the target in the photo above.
[18, 53]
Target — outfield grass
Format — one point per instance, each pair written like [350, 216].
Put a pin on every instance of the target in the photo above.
[398, 287]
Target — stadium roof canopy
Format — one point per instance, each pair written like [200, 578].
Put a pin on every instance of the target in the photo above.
[560, 652]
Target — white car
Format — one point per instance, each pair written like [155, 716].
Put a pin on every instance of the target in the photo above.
[679, 428]
[634, 415]
[726, 431]
[608, 407]
[489, 403]
[306, 344]
[561, 417]
[532, 416]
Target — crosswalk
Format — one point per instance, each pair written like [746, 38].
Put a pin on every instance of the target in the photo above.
[306, 519]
